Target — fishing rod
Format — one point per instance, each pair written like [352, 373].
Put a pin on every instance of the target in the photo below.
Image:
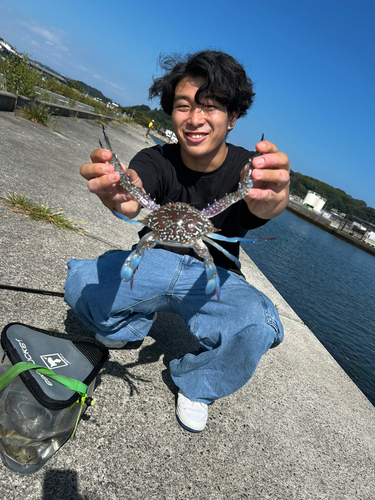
[31, 290]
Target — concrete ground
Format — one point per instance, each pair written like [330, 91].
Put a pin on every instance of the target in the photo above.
[300, 429]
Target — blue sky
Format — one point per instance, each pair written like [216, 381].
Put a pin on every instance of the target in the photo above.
[312, 63]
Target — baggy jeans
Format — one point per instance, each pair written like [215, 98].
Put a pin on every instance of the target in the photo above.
[233, 333]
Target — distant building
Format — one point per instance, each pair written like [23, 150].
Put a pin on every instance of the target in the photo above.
[6, 48]
[314, 201]
[112, 105]
[334, 211]
[171, 135]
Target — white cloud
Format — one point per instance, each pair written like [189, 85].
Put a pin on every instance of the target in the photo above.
[52, 36]
[115, 86]
[82, 68]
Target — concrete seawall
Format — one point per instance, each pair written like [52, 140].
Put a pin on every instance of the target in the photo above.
[318, 220]
[300, 429]
[8, 101]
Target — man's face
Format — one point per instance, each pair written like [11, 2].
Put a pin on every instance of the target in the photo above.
[201, 129]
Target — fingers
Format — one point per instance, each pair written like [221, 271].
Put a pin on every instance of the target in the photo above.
[270, 192]
[271, 168]
[103, 183]
[100, 156]
[99, 165]
[91, 170]
[103, 180]
[266, 147]
[100, 174]
[271, 160]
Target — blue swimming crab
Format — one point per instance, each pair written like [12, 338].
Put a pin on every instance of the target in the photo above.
[179, 224]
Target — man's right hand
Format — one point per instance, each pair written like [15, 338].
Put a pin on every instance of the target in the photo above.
[103, 180]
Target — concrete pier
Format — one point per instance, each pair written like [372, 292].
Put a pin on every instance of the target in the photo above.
[300, 429]
[318, 220]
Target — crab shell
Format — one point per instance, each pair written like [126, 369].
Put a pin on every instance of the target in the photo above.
[178, 223]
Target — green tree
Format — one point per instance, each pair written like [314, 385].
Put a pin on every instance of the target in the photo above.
[75, 85]
[20, 78]
[143, 114]
[336, 198]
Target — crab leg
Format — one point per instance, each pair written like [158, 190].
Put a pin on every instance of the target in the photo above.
[222, 250]
[123, 217]
[125, 182]
[132, 262]
[213, 282]
[209, 239]
[220, 237]
[243, 187]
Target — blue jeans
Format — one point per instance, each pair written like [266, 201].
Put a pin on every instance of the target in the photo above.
[233, 333]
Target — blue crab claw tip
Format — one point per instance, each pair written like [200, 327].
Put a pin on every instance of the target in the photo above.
[211, 271]
[210, 287]
[133, 260]
[213, 286]
[126, 272]
[212, 280]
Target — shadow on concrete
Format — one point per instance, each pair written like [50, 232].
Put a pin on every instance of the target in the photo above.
[172, 340]
[63, 485]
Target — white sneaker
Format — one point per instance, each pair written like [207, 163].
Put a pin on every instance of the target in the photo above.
[110, 343]
[116, 344]
[191, 415]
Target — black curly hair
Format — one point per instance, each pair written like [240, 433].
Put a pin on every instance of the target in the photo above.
[225, 80]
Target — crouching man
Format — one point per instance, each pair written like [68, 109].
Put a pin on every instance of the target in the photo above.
[205, 94]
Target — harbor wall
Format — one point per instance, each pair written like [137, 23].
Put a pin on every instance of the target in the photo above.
[318, 220]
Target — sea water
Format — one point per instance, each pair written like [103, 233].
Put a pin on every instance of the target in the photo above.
[330, 284]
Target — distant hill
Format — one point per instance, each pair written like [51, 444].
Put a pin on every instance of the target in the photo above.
[336, 198]
[93, 92]
[143, 114]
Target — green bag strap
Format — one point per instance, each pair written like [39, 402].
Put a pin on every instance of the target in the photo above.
[22, 366]
[69, 383]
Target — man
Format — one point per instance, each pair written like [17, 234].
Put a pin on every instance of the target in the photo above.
[205, 94]
[150, 125]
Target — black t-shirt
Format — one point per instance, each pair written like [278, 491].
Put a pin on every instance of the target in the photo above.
[166, 179]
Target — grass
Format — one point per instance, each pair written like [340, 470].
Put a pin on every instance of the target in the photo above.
[20, 203]
[36, 114]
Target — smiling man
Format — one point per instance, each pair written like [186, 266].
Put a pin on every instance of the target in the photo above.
[201, 128]
[205, 94]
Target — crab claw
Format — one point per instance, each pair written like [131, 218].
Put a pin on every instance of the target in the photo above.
[130, 267]
[213, 282]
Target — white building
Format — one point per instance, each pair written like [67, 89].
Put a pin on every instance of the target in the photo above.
[359, 226]
[6, 47]
[171, 135]
[315, 201]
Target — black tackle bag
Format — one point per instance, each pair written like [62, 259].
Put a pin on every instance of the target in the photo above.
[46, 383]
